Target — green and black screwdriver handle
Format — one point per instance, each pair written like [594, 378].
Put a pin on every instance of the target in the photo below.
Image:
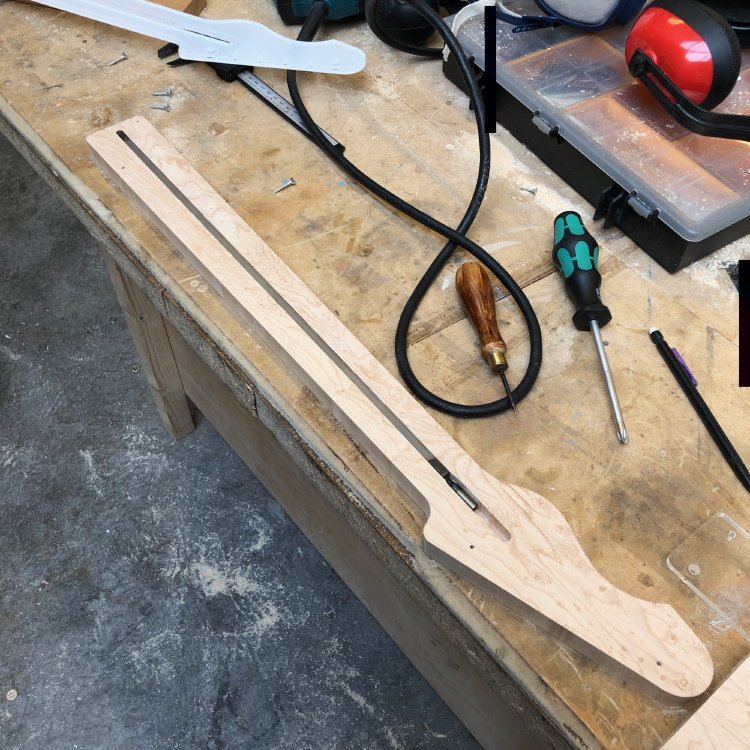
[576, 255]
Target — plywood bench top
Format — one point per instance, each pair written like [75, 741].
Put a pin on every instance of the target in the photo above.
[409, 127]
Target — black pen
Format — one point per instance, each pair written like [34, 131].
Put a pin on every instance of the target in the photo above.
[686, 383]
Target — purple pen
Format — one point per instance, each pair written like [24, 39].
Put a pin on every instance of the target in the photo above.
[684, 364]
[688, 384]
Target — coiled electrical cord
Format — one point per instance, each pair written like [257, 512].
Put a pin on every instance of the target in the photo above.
[456, 237]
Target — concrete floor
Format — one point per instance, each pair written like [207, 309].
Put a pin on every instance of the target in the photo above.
[152, 594]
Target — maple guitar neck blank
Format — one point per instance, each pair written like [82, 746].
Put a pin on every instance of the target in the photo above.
[516, 544]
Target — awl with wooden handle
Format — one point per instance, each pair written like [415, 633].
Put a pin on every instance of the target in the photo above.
[474, 286]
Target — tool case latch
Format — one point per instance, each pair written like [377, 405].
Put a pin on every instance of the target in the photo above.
[641, 207]
[545, 125]
[614, 200]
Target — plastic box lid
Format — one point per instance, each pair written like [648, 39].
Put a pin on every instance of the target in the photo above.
[580, 83]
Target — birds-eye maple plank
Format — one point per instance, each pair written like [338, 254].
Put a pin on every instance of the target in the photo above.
[516, 543]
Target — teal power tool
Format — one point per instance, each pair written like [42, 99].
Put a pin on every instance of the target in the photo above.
[576, 256]
[294, 12]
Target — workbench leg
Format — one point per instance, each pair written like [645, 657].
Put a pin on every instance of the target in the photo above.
[146, 327]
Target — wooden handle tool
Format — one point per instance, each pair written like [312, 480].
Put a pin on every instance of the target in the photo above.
[474, 286]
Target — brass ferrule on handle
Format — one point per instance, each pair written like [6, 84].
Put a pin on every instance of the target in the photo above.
[496, 360]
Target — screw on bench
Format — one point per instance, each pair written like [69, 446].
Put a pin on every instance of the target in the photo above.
[285, 185]
[122, 57]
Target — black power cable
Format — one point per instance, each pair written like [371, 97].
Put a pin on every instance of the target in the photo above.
[456, 237]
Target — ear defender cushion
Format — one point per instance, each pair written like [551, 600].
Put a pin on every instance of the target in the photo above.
[732, 10]
[593, 14]
[693, 45]
[583, 12]
[627, 12]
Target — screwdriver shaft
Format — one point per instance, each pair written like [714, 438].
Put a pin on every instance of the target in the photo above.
[622, 434]
[508, 391]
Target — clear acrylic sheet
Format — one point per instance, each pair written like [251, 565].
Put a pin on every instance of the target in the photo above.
[714, 562]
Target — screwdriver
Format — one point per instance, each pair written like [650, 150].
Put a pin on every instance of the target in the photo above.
[474, 286]
[576, 256]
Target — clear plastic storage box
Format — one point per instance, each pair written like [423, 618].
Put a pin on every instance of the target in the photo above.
[578, 87]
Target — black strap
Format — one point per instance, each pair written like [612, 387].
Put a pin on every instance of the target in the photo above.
[674, 101]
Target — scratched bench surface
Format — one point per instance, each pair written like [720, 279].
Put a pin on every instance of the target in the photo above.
[408, 127]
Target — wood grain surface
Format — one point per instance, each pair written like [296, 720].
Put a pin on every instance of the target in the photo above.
[155, 354]
[406, 125]
[516, 542]
[724, 720]
[195, 7]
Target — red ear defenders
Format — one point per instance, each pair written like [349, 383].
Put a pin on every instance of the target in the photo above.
[688, 57]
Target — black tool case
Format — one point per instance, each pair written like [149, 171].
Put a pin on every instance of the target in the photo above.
[570, 99]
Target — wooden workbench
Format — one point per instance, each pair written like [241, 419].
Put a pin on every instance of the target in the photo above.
[512, 684]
